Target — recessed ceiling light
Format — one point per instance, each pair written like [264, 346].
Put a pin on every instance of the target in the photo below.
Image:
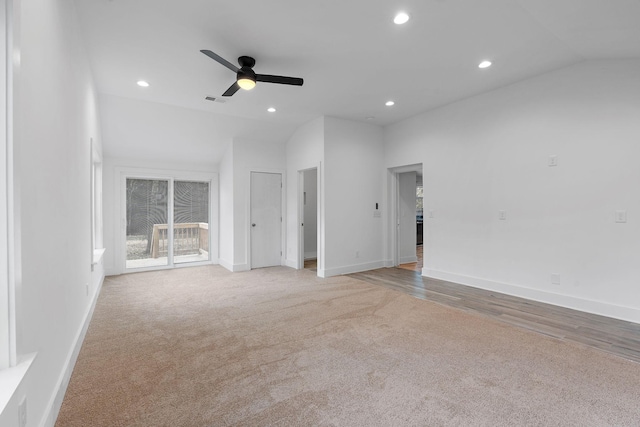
[370, 118]
[271, 110]
[142, 83]
[389, 103]
[484, 64]
[401, 18]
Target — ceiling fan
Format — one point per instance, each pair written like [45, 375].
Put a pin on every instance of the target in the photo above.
[246, 78]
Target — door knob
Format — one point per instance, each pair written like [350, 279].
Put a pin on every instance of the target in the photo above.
[253, 225]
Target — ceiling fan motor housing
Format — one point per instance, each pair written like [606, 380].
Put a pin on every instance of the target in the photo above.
[246, 61]
[246, 73]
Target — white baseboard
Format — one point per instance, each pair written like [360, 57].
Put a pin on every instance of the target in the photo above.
[589, 306]
[291, 263]
[111, 272]
[408, 259]
[310, 255]
[226, 264]
[234, 268]
[55, 403]
[348, 269]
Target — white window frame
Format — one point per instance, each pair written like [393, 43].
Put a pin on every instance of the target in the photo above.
[122, 174]
[7, 246]
[97, 246]
[13, 366]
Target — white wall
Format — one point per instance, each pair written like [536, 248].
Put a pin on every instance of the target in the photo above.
[304, 150]
[57, 117]
[246, 156]
[407, 217]
[112, 213]
[226, 209]
[490, 153]
[310, 217]
[147, 130]
[353, 183]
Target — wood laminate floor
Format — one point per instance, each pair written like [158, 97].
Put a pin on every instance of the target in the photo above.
[607, 334]
[414, 266]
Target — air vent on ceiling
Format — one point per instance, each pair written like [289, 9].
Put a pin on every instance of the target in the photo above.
[211, 98]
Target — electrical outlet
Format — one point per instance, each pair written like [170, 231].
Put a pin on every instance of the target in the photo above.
[22, 413]
[621, 216]
[502, 215]
[553, 160]
[555, 278]
[431, 214]
[357, 254]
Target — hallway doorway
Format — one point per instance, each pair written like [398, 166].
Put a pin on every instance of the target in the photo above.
[406, 219]
[308, 249]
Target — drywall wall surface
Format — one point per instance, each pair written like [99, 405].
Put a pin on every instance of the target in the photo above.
[310, 210]
[150, 130]
[555, 157]
[226, 209]
[113, 208]
[250, 156]
[407, 217]
[304, 150]
[353, 184]
[56, 118]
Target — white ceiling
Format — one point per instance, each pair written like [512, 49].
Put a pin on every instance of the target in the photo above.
[351, 55]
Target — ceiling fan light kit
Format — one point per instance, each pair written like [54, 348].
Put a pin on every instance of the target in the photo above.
[246, 82]
[246, 78]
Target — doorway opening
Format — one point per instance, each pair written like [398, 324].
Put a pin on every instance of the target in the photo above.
[308, 213]
[407, 217]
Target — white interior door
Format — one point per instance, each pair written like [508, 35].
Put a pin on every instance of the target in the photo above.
[266, 219]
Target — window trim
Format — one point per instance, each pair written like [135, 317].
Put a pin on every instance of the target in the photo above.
[9, 261]
[97, 245]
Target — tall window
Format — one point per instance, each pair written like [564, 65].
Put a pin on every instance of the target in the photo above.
[96, 204]
[6, 285]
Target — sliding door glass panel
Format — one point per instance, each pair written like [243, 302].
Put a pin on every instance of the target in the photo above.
[190, 221]
[147, 226]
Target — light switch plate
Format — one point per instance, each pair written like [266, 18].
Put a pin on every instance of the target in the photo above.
[621, 216]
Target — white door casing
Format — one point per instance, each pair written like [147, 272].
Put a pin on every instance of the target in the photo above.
[266, 219]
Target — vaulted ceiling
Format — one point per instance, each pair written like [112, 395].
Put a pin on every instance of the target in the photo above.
[353, 58]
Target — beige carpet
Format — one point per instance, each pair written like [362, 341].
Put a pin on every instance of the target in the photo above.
[279, 347]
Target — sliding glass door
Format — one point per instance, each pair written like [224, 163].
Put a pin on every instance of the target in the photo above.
[190, 221]
[147, 214]
[152, 239]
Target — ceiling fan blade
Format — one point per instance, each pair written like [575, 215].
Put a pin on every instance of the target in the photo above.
[232, 89]
[296, 81]
[220, 60]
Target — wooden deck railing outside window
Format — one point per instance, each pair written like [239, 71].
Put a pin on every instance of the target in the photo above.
[188, 239]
